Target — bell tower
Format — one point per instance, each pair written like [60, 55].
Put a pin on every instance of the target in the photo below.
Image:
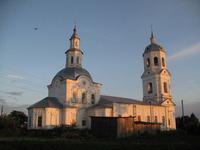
[74, 54]
[156, 77]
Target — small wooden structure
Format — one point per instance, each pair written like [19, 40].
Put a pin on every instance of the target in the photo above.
[120, 126]
[112, 126]
[150, 127]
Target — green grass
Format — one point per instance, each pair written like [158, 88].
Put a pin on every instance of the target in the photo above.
[145, 142]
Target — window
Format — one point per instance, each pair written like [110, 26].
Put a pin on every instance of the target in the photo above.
[84, 83]
[72, 60]
[76, 43]
[148, 118]
[150, 88]
[74, 97]
[148, 62]
[163, 62]
[92, 98]
[169, 122]
[77, 60]
[83, 122]
[163, 119]
[156, 61]
[30, 120]
[139, 118]
[165, 87]
[39, 121]
[84, 98]
[156, 119]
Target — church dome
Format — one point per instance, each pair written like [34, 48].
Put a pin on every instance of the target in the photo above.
[153, 47]
[72, 73]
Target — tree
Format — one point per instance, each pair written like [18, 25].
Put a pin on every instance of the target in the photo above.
[190, 124]
[194, 120]
[20, 119]
[6, 122]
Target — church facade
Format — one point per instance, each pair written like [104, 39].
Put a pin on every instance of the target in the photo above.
[73, 96]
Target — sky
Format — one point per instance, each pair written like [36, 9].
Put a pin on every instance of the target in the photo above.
[34, 34]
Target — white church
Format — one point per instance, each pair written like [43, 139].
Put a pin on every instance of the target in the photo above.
[73, 96]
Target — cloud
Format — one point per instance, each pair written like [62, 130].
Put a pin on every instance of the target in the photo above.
[2, 101]
[14, 93]
[15, 77]
[186, 52]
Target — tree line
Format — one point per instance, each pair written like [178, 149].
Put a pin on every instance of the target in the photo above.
[15, 123]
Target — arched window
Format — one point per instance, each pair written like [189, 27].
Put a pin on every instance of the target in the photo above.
[29, 119]
[148, 62]
[39, 121]
[83, 122]
[169, 122]
[163, 62]
[139, 118]
[165, 87]
[156, 119]
[92, 99]
[163, 119]
[148, 118]
[74, 97]
[76, 43]
[84, 98]
[72, 60]
[156, 61]
[150, 88]
[77, 60]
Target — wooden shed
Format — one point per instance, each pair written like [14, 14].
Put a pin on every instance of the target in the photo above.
[120, 126]
[150, 127]
[112, 126]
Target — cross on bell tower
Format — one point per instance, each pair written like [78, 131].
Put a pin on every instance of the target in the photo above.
[74, 40]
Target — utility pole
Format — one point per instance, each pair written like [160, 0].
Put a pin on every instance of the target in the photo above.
[182, 105]
[1, 110]
[182, 108]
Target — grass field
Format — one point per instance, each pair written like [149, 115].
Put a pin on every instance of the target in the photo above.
[147, 142]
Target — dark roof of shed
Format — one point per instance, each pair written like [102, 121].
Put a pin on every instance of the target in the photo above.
[51, 102]
[111, 117]
[146, 123]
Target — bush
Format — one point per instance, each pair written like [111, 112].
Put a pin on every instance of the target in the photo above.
[14, 120]
[63, 131]
[188, 124]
